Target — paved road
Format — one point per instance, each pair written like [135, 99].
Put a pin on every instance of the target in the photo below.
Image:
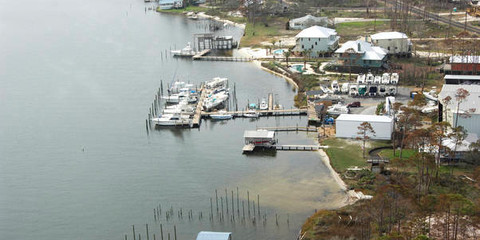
[434, 16]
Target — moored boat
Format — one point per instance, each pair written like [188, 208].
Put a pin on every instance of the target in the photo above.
[221, 115]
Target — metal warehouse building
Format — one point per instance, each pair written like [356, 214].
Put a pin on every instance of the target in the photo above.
[347, 126]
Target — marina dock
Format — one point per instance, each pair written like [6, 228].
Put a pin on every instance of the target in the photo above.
[201, 54]
[222, 58]
[297, 147]
[197, 116]
[290, 129]
[277, 112]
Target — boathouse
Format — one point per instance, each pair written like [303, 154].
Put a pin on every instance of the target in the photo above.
[204, 235]
[347, 126]
[259, 138]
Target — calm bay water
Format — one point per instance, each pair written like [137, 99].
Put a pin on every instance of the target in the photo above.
[76, 81]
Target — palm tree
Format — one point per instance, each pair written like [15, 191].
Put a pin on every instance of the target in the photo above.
[287, 55]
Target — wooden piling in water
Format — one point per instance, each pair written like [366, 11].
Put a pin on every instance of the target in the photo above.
[175, 232]
[133, 229]
[233, 206]
[221, 201]
[161, 231]
[146, 226]
[226, 199]
[216, 199]
[211, 209]
[258, 204]
[238, 205]
[253, 208]
[248, 203]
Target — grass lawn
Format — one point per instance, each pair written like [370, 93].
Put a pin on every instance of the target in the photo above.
[352, 30]
[388, 153]
[265, 31]
[343, 154]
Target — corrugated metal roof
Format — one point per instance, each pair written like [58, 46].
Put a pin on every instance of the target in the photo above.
[462, 77]
[259, 134]
[213, 235]
[472, 101]
[316, 32]
[389, 35]
[464, 59]
[364, 118]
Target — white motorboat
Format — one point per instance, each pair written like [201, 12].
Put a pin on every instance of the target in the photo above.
[392, 91]
[362, 90]
[335, 86]
[221, 115]
[372, 90]
[214, 101]
[216, 82]
[386, 78]
[377, 79]
[382, 91]
[263, 104]
[345, 87]
[338, 109]
[185, 52]
[353, 90]
[369, 78]
[361, 78]
[172, 120]
[394, 78]
[251, 114]
[432, 95]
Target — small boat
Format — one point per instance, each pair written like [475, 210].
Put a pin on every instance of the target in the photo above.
[335, 87]
[221, 115]
[432, 95]
[386, 78]
[362, 90]
[361, 78]
[338, 109]
[216, 82]
[382, 91]
[251, 114]
[353, 90]
[185, 52]
[370, 78]
[392, 91]
[172, 120]
[345, 88]
[214, 101]
[394, 79]
[372, 91]
[377, 79]
[264, 104]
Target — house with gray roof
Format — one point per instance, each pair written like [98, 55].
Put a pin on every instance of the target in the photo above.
[396, 43]
[362, 54]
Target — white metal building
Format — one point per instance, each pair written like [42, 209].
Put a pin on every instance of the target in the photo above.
[347, 126]
[469, 112]
[394, 42]
[204, 235]
[307, 21]
[318, 40]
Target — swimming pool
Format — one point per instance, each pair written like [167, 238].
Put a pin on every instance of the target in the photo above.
[297, 67]
[279, 51]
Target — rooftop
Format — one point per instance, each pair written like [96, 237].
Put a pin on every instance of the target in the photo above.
[462, 77]
[259, 134]
[389, 35]
[316, 32]
[359, 46]
[472, 101]
[364, 118]
[214, 235]
[309, 18]
[464, 59]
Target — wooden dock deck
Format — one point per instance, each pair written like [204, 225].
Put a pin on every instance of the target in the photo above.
[273, 112]
[221, 58]
[297, 147]
[197, 116]
[290, 128]
[201, 54]
[312, 114]
[270, 101]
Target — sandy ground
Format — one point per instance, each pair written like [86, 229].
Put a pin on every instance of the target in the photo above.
[203, 15]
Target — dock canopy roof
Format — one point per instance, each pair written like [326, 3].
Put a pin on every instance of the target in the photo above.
[214, 235]
[259, 134]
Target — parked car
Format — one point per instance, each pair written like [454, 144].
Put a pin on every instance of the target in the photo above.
[329, 120]
[354, 104]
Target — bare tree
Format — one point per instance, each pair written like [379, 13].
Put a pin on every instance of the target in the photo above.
[460, 96]
[364, 131]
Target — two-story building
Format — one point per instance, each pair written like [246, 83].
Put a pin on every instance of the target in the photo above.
[317, 41]
[307, 21]
[396, 43]
[360, 54]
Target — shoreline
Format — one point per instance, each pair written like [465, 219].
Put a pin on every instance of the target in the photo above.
[289, 80]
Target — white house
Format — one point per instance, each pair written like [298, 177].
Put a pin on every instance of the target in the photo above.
[469, 110]
[317, 40]
[347, 126]
[394, 42]
[307, 21]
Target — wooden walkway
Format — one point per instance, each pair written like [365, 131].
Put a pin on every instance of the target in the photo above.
[290, 129]
[219, 58]
[297, 147]
[278, 112]
[270, 101]
[201, 54]
[197, 116]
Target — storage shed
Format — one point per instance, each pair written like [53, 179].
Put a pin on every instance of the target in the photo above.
[347, 126]
[204, 235]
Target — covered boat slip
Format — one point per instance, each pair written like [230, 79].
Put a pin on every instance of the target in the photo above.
[204, 235]
[258, 138]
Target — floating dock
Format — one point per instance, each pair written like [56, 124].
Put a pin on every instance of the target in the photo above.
[297, 147]
[197, 116]
[290, 129]
[277, 112]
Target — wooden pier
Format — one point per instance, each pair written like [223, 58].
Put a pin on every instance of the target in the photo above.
[273, 112]
[197, 116]
[270, 101]
[290, 129]
[221, 58]
[297, 147]
[201, 54]
[312, 115]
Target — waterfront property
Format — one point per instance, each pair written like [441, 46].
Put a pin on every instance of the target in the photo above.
[170, 4]
[317, 41]
[347, 126]
[360, 54]
[258, 138]
[307, 21]
[468, 112]
[396, 43]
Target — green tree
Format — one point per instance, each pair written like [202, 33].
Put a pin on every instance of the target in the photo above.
[364, 130]
[287, 55]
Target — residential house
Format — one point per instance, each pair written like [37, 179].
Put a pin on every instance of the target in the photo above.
[468, 112]
[360, 54]
[317, 40]
[396, 43]
[307, 21]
